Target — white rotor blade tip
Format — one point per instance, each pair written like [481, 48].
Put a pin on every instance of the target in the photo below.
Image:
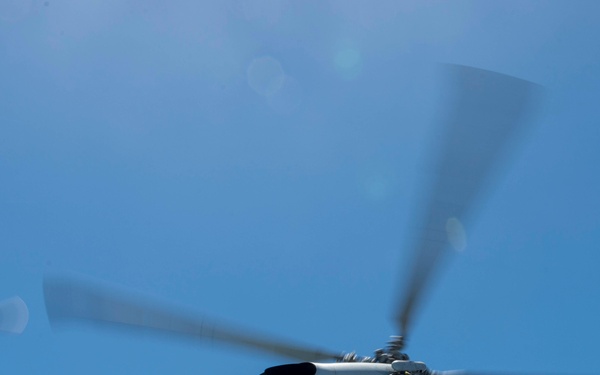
[14, 315]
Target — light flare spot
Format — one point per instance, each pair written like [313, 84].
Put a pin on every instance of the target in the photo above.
[265, 75]
[348, 61]
[14, 315]
[456, 234]
[347, 58]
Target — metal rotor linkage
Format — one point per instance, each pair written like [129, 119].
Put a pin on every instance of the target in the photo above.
[392, 352]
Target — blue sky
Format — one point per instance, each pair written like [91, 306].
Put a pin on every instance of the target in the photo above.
[260, 162]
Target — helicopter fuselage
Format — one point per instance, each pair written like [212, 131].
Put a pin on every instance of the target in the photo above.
[349, 368]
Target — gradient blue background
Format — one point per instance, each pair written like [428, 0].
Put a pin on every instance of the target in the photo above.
[134, 150]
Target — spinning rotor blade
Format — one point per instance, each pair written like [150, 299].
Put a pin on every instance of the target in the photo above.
[70, 301]
[487, 110]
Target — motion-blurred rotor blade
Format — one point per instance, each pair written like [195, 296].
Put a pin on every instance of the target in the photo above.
[14, 315]
[486, 111]
[71, 301]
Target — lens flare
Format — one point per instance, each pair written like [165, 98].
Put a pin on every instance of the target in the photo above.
[455, 232]
[348, 60]
[14, 315]
[265, 75]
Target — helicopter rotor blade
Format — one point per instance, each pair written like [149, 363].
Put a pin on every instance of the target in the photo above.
[486, 112]
[72, 301]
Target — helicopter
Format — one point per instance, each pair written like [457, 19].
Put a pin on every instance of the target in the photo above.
[487, 111]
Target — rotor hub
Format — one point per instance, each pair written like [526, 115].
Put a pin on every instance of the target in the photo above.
[392, 352]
